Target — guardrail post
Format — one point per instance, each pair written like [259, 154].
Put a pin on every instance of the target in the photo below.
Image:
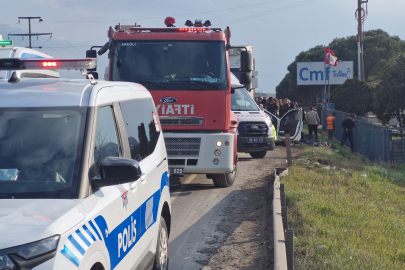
[289, 246]
[282, 188]
[282, 198]
[284, 215]
[288, 148]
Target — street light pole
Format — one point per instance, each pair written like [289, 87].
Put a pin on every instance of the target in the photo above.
[361, 17]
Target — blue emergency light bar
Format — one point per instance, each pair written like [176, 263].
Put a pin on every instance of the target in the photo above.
[19, 64]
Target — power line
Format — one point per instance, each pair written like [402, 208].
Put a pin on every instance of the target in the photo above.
[29, 29]
[182, 15]
[257, 15]
[62, 39]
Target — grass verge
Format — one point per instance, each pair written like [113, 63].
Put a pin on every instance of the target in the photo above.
[346, 212]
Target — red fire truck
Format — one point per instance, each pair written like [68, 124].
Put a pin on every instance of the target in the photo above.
[187, 72]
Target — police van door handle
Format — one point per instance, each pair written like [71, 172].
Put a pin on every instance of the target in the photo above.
[143, 177]
[133, 185]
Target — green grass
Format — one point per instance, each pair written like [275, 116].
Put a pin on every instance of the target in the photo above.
[356, 209]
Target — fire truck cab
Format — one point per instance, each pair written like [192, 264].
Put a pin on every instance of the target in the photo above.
[187, 71]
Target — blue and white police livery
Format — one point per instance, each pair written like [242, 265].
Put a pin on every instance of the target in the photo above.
[84, 180]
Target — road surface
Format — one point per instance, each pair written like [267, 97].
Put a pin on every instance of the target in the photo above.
[225, 228]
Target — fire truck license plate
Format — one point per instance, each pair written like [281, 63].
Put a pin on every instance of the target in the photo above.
[176, 170]
[255, 140]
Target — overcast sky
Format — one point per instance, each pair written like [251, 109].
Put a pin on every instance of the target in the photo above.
[277, 29]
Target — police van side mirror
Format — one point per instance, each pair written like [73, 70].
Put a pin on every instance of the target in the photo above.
[246, 61]
[91, 54]
[245, 78]
[117, 170]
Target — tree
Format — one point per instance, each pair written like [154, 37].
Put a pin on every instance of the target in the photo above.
[390, 95]
[379, 48]
[354, 96]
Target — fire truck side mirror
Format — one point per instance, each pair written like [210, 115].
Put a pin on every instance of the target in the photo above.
[245, 78]
[91, 54]
[246, 61]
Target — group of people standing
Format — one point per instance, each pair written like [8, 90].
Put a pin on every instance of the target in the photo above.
[278, 107]
[313, 121]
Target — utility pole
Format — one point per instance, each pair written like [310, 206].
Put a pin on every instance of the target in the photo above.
[29, 30]
[360, 19]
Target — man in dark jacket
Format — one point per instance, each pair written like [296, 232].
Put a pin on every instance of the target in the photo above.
[348, 125]
[285, 107]
[272, 106]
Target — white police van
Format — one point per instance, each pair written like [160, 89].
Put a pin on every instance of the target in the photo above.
[255, 129]
[84, 178]
[7, 50]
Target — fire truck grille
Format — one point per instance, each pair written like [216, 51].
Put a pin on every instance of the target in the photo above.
[181, 122]
[252, 129]
[177, 147]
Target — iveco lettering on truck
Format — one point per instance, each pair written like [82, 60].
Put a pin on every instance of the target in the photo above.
[187, 72]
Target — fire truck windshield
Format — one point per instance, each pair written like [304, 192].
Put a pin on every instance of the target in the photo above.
[170, 65]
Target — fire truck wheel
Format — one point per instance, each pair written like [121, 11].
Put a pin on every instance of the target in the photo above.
[260, 154]
[225, 179]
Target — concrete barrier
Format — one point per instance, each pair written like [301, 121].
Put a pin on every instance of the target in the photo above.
[280, 255]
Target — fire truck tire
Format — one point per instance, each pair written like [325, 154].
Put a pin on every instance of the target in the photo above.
[260, 154]
[225, 179]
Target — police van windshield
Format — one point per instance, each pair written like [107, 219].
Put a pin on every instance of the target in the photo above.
[241, 101]
[170, 65]
[40, 152]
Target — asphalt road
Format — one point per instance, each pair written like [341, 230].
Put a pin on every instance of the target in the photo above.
[224, 228]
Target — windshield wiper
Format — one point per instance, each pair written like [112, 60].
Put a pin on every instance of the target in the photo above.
[199, 82]
[155, 83]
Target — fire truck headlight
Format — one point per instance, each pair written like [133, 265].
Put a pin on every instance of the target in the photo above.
[216, 161]
[219, 143]
[226, 143]
[217, 152]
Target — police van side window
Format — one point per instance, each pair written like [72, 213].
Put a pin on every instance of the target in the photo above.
[106, 137]
[140, 127]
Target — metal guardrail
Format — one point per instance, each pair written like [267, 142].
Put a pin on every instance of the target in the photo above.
[283, 238]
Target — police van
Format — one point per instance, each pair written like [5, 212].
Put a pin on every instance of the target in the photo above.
[255, 129]
[7, 50]
[84, 180]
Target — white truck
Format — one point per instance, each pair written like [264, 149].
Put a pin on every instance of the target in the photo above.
[255, 129]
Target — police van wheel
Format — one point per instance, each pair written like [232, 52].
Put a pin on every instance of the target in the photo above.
[162, 249]
[260, 154]
[225, 179]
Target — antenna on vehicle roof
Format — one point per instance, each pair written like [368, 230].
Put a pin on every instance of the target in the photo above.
[14, 78]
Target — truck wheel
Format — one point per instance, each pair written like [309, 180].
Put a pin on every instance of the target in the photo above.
[260, 154]
[273, 145]
[162, 250]
[225, 179]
